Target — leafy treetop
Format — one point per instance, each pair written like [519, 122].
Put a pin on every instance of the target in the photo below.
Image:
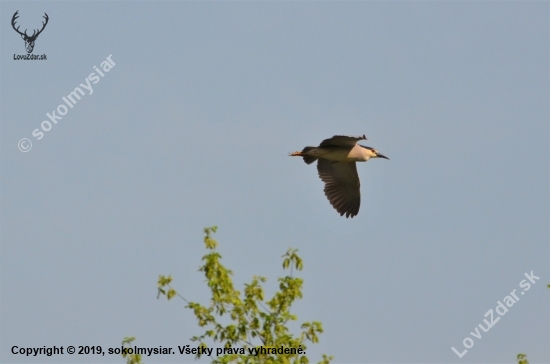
[254, 322]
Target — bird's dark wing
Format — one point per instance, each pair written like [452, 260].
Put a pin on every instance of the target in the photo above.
[341, 186]
[342, 141]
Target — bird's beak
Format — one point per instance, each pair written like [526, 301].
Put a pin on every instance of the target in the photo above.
[381, 156]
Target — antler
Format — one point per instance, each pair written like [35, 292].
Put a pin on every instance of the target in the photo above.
[43, 26]
[15, 16]
[34, 34]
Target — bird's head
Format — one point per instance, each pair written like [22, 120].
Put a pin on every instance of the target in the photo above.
[373, 153]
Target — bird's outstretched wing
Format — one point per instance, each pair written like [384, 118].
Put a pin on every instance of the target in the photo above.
[342, 141]
[341, 186]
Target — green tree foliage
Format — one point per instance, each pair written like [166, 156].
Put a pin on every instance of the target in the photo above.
[257, 331]
[522, 359]
[130, 358]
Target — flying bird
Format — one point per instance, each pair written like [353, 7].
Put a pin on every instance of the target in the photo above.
[336, 159]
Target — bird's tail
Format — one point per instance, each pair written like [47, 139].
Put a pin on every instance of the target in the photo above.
[307, 158]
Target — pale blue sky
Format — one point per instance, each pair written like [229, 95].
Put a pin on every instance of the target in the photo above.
[192, 128]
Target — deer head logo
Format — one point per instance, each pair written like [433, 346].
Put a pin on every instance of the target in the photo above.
[29, 40]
